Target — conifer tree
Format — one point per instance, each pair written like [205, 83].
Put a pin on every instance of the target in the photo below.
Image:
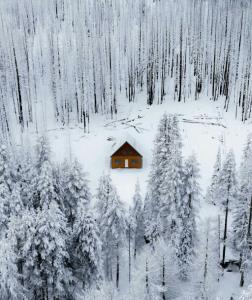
[87, 260]
[47, 255]
[187, 240]
[165, 180]
[213, 190]
[137, 220]
[5, 170]
[76, 190]
[112, 225]
[242, 238]
[228, 193]
[10, 284]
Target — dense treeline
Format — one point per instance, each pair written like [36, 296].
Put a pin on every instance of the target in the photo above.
[65, 60]
[57, 241]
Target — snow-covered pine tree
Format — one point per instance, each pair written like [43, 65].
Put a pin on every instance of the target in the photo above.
[28, 175]
[206, 268]
[46, 254]
[151, 232]
[43, 151]
[75, 189]
[42, 185]
[5, 169]
[16, 204]
[187, 212]
[228, 193]
[165, 180]
[213, 190]
[10, 284]
[86, 256]
[242, 205]
[112, 225]
[137, 221]
[5, 197]
[20, 227]
[241, 225]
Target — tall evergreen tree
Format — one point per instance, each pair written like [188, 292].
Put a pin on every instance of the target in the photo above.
[187, 240]
[112, 225]
[87, 260]
[76, 190]
[47, 255]
[137, 220]
[10, 284]
[165, 180]
[242, 238]
[228, 193]
[213, 190]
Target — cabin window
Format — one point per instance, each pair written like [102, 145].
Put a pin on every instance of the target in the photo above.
[118, 161]
[134, 161]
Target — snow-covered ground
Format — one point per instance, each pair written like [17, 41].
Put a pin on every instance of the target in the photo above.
[202, 134]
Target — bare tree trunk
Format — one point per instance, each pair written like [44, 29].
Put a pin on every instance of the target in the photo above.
[129, 254]
[225, 235]
[250, 217]
[163, 279]
[117, 268]
[147, 277]
[241, 271]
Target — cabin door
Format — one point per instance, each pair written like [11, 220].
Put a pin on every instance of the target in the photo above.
[126, 163]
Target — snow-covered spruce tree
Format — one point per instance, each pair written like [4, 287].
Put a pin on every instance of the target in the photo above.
[206, 269]
[243, 205]
[44, 183]
[43, 151]
[161, 271]
[28, 175]
[20, 226]
[112, 225]
[16, 204]
[5, 169]
[75, 189]
[137, 221]
[5, 198]
[213, 190]
[243, 210]
[5, 186]
[228, 193]
[151, 231]
[165, 180]
[86, 256]
[187, 239]
[46, 254]
[11, 287]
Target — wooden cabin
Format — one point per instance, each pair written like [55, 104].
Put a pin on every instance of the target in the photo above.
[126, 157]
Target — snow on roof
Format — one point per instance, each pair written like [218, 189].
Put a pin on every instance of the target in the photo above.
[119, 141]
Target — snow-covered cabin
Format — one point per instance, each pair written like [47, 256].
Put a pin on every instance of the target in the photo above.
[126, 156]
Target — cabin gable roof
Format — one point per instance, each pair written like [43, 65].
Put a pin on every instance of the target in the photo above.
[126, 150]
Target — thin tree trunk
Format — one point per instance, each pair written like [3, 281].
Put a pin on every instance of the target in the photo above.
[117, 268]
[147, 277]
[129, 254]
[250, 217]
[225, 236]
[163, 279]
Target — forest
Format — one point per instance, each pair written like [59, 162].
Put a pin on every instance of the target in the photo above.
[80, 74]
[68, 60]
[60, 242]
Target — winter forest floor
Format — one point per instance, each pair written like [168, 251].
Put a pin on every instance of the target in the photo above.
[204, 126]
